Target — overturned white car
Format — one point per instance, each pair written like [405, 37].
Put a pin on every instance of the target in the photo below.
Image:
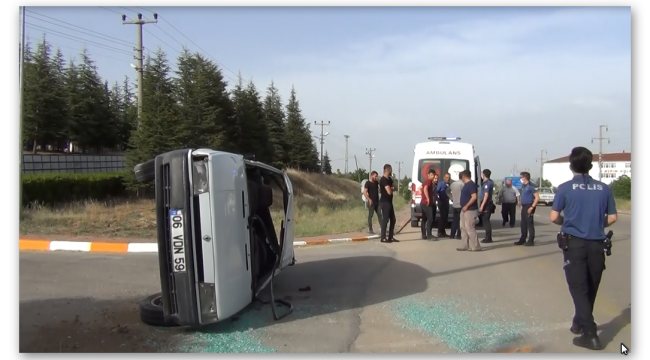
[217, 243]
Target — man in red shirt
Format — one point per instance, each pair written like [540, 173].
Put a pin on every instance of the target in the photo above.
[428, 204]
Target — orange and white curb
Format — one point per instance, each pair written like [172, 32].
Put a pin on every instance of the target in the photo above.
[123, 247]
[87, 246]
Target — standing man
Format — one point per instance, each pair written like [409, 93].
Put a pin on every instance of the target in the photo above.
[386, 189]
[443, 204]
[454, 192]
[428, 205]
[487, 204]
[528, 202]
[469, 212]
[508, 197]
[584, 202]
[371, 192]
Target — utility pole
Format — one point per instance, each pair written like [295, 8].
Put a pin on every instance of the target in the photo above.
[322, 125]
[139, 53]
[399, 173]
[541, 167]
[347, 137]
[21, 116]
[369, 152]
[600, 139]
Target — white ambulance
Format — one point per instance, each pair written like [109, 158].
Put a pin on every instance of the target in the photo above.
[444, 155]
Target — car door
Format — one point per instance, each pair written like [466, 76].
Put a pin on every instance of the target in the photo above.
[287, 246]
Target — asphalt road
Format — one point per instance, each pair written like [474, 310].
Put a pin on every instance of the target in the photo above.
[413, 296]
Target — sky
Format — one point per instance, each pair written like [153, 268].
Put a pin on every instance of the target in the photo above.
[512, 81]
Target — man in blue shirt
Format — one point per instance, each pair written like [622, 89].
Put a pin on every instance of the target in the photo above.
[589, 208]
[469, 212]
[443, 205]
[528, 202]
[487, 204]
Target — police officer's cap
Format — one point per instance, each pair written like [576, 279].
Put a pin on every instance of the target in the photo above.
[580, 160]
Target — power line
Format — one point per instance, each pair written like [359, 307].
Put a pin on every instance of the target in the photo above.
[75, 38]
[139, 53]
[600, 139]
[322, 125]
[76, 26]
[159, 28]
[541, 166]
[370, 153]
[195, 44]
[399, 173]
[95, 54]
[347, 137]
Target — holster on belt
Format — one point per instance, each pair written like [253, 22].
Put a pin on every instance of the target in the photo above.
[563, 241]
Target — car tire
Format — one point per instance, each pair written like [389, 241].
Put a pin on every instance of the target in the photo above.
[415, 223]
[145, 172]
[549, 204]
[152, 312]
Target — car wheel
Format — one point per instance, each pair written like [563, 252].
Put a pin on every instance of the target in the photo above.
[415, 223]
[549, 204]
[151, 311]
[145, 172]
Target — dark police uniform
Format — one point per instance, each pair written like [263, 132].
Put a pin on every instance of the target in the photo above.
[387, 210]
[585, 203]
[443, 206]
[373, 193]
[527, 220]
[488, 187]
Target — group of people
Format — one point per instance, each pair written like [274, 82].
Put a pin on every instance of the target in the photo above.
[583, 207]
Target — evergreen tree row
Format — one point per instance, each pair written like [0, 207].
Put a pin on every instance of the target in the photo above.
[67, 102]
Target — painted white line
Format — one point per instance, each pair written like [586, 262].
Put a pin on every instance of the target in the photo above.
[299, 243]
[340, 240]
[142, 247]
[69, 246]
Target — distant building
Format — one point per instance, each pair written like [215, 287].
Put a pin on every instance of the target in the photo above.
[614, 165]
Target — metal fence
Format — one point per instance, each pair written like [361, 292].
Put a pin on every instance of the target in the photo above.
[71, 163]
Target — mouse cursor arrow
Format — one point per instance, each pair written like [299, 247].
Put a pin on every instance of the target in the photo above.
[624, 349]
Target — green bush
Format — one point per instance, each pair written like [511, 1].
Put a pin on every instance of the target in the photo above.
[622, 188]
[66, 187]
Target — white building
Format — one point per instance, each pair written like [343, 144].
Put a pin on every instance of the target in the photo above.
[614, 165]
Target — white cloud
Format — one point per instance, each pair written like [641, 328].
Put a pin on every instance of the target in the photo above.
[476, 79]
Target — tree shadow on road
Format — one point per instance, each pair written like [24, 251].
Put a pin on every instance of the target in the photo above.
[85, 325]
[329, 287]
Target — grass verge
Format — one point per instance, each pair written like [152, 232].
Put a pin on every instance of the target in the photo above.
[137, 219]
[624, 205]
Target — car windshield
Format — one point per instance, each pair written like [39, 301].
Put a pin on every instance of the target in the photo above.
[442, 166]
[545, 191]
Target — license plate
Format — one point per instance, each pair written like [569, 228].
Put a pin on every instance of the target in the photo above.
[177, 241]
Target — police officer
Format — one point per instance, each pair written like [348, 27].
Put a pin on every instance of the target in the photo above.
[528, 202]
[486, 204]
[589, 208]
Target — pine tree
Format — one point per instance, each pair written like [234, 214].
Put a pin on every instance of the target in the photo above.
[60, 94]
[30, 100]
[130, 112]
[89, 107]
[159, 120]
[274, 118]
[327, 167]
[299, 138]
[203, 102]
[259, 129]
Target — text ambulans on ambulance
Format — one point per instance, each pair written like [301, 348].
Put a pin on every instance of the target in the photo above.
[444, 155]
